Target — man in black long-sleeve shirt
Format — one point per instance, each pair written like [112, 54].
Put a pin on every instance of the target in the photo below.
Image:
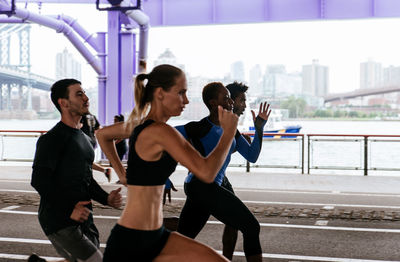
[62, 174]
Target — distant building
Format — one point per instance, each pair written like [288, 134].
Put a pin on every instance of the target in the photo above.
[275, 69]
[370, 75]
[315, 79]
[167, 57]
[67, 66]
[277, 83]
[391, 76]
[255, 81]
[237, 71]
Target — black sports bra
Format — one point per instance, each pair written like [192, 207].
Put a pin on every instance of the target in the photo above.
[147, 173]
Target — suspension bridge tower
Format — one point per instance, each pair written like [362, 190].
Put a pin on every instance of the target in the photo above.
[15, 93]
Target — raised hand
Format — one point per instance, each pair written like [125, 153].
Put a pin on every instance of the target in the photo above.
[263, 112]
[114, 199]
[80, 212]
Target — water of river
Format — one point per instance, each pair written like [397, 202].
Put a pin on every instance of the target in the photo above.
[323, 153]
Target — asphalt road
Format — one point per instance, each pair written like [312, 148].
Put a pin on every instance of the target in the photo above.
[282, 238]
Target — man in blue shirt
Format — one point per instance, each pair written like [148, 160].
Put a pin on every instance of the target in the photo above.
[220, 202]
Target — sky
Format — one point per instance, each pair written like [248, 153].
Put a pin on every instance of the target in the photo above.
[210, 50]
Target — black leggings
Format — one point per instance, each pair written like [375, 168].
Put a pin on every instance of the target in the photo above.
[204, 200]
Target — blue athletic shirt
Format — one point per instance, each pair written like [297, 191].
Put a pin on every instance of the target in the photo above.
[204, 136]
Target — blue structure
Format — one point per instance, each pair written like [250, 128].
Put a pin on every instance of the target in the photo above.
[117, 64]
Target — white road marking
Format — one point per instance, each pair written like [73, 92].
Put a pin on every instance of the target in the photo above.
[310, 204]
[308, 192]
[25, 257]
[354, 229]
[30, 241]
[212, 222]
[264, 202]
[18, 191]
[321, 223]
[10, 207]
[241, 254]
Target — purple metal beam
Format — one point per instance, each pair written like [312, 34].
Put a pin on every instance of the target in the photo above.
[60, 27]
[91, 39]
[128, 70]
[204, 12]
[10, 20]
[112, 92]
[64, 1]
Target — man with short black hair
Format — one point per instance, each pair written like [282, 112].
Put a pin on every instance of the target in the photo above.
[62, 174]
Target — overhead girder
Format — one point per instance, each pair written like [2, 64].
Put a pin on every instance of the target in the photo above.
[205, 12]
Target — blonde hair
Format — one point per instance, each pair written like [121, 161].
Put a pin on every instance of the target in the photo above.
[163, 76]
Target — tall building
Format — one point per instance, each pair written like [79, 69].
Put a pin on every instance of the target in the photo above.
[371, 75]
[315, 79]
[391, 76]
[67, 66]
[167, 57]
[275, 69]
[278, 83]
[255, 81]
[237, 71]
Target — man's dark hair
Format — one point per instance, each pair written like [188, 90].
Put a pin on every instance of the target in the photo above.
[236, 88]
[120, 117]
[210, 91]
[60, 90]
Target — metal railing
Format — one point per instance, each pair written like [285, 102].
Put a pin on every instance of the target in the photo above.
[279, 138]
[364, 142]
[18, 134]
[334, 144]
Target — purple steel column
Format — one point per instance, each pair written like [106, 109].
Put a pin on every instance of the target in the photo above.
[128, 63]
[112, 92]
[102, 79]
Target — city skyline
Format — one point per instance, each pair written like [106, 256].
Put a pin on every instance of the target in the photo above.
[210, 50]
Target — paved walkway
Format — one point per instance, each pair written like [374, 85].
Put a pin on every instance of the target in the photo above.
[270, 181]
[261, 181]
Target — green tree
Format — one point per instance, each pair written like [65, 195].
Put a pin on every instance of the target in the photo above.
[296, 106]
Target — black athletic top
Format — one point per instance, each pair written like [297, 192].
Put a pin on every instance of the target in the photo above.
[62, 174]
[147, 173]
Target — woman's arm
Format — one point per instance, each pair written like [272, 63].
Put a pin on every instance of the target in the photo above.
[161, 136]
[106, 137]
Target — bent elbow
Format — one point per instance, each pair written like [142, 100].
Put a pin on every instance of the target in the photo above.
[206, 179]
[206, 176]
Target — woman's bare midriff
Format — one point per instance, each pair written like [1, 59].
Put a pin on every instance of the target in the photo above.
[143, 209]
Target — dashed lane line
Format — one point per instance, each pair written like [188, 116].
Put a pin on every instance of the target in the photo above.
[307, 192]
[10, 207]
[25, 257]
[310, 204]
[263, 202]
[241, 254]
[18, 191]
[212, 222]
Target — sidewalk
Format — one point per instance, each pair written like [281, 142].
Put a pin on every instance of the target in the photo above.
[269, 181]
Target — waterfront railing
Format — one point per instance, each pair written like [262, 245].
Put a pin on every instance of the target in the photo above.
[18, 145]
[304, 152]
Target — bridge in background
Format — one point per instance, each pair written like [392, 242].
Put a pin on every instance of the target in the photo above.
[16, 81]
[361, 93]
[115, 73]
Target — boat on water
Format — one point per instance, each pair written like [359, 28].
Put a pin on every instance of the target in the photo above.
[287, 129]
[274, 124]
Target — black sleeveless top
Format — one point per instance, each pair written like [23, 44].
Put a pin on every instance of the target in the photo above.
[147, 173]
